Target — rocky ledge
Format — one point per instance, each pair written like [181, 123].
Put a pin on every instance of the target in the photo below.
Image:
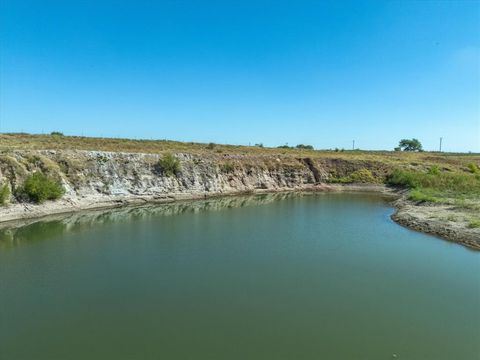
[94, 180]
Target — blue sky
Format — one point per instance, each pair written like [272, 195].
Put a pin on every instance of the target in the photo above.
[276, 72]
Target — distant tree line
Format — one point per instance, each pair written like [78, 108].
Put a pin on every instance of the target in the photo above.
[299, 146]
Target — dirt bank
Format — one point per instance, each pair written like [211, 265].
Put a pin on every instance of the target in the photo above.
[445, 221]
[99, 179]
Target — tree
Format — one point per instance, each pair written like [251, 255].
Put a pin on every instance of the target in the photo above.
[410, 145]
[305, 147]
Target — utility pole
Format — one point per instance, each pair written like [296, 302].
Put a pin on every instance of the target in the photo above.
[441, 144]
[353, 144]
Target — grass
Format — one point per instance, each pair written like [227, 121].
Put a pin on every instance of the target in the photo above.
[422, 196]
[16, 141]
[474, 223]
[435, 186]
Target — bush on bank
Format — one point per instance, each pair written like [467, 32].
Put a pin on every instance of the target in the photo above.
[4, 194]
[361, 176]
[169, 164]
[38, 188]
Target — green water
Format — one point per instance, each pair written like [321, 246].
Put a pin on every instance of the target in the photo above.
[325, 276]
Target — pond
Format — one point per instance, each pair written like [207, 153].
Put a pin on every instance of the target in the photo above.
[284, 276]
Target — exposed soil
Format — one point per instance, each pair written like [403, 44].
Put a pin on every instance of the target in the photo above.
[98, 179]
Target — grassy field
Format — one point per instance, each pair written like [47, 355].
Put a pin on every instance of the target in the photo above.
[448, 161]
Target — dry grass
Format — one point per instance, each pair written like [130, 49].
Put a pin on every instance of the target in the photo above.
[416, 161]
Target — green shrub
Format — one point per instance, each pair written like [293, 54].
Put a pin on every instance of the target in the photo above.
[474, 223]
[474, 169]
[419, 195]
[227, 167]
[169, 164]
[363, 176]
[4, 194]
[39, 188]
[211, 146]
[56, 133]
[434, 170]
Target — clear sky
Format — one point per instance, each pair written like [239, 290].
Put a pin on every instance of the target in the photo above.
[276, 72]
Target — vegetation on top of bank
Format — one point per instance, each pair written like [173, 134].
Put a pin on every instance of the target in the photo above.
[435, 185]
[58, 141]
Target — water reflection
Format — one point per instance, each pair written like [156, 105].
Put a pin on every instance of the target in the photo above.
[33, 230]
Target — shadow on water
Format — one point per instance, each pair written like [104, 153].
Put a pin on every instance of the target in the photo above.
[34, 230]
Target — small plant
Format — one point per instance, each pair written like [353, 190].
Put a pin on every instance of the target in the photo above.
[474, 223]
[259, 145]
[451, 218]
[169, 164]
[211, 146]
[56, 133]
[420, 196]
[228, 167]
[38, 188]
[363, 176]
[474, 169]
[434, 170]
[4, 194]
